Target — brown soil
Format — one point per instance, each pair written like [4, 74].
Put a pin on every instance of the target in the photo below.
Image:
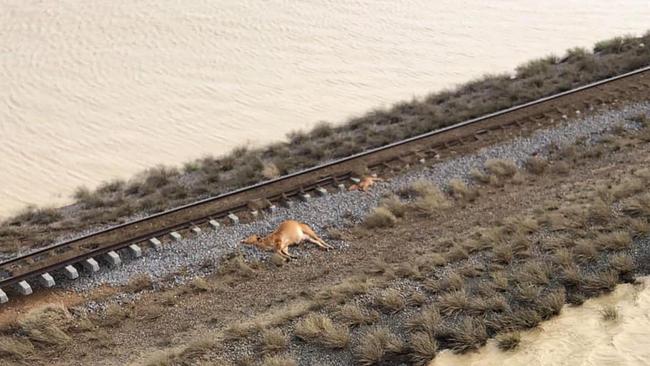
[156, 322]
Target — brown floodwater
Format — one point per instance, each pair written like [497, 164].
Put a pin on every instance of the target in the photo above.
[92, 90]
[578, 336]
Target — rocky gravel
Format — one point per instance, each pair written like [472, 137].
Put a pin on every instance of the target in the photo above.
[340, 209]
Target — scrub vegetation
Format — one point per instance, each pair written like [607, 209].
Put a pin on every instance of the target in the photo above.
[161, 188]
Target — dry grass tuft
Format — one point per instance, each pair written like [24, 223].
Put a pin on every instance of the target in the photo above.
[279, 361]
[456, 253]
[376, 345]
[139, 283]
[454, 302]
[536, 165]
[273, 340]
[428, 320]
[609, 313]
[536, 272]
[613, 241]
[394, 205]
[638, 206]
[503, 253]
[270, 170]
[627, 188]
[551, 304]
[423, 348]
[622, 263]
[469, 334]
[571, 275]
[461, 191]
[453, 282]
[599, 282]
[585, 250]
[15, 348]
[199, 284]
[319, 329]
[508, 341]
[44, 325]
[354, 315]
[501, 168]
[431, 203]
[479, 176]
[391, 301]
[515, 320]
[381, 217]
[527, 292]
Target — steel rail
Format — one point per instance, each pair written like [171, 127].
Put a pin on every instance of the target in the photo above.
[92, 245]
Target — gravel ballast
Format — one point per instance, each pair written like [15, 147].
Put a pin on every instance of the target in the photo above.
[343, 208]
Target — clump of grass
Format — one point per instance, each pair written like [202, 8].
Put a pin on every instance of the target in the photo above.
[551, 304]
[240, 331]
[391, 301]
[515, 320]
[381, 217]
[377, 345]
[613, 241]
[199, 284]
[503, 253]
[609, 313]
[527, 292]
[270, 170]
[534, 272]
[139, 283]
[430, 199]
[15, 348]
[320, 329]
[501, 168]
[479, 176]
[428, 320]
[273, 340]
[115, 314]
[456, 253]
[585, 250]
[44, 325]
[570, 274]
[452, 282]
[394, 205]
[599, 282]
[508, 341]
[36, 216]
[461, 191]
[423, 348]
[355, 315]
[536, 165]
[279, 361]
[454, 302]
[622, 263]
[638, 207]
[469, 334]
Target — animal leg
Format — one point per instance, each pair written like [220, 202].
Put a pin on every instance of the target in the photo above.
[286, 252]
[282, 255]
[311, 236]
[322, 245]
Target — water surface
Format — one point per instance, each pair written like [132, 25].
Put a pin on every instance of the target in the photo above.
[92, 89]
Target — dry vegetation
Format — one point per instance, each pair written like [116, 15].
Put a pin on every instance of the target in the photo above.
[409, 288]
[161, 187]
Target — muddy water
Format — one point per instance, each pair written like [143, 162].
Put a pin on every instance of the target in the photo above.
[93, 89]
[578, 336]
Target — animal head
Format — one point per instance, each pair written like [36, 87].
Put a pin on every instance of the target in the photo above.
[252, 240]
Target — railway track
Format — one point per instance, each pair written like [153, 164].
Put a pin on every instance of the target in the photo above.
[247, 203]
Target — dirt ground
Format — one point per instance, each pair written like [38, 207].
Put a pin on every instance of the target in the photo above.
[176, 316]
